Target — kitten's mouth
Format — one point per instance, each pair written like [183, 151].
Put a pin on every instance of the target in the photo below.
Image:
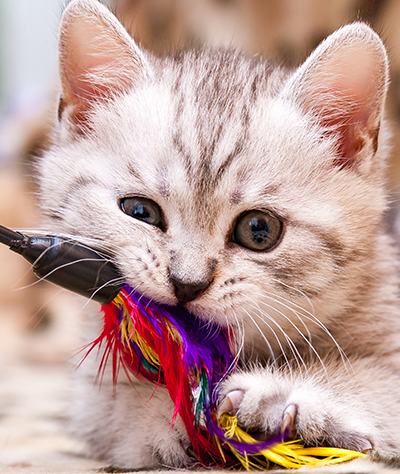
[185, 299]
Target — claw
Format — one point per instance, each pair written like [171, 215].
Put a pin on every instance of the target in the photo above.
[231, 403]
[288, 430]
[366, 447]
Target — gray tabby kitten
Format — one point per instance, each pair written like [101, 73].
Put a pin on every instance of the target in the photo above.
[252, 196]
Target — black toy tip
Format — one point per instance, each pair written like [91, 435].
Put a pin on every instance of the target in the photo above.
[8, 236]
[67, 263]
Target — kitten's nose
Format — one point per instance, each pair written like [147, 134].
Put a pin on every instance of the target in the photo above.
[186, 292]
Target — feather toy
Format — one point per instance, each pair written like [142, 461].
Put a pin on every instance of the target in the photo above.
[167, 346]
[170, 346]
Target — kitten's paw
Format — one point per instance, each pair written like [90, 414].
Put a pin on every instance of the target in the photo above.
[231, 405]
[267, 408]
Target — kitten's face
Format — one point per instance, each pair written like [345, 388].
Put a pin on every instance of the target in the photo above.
[213, 184]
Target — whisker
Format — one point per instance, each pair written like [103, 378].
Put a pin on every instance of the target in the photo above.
[83, 241]
[312, 348]
[108, 283]
[301, 293]
[297, 314]
[241, 329]
[312, 318]
[285, 305]
[236, 358]
[43, 278]
[291, 344]
[266, 340]
[52, 297]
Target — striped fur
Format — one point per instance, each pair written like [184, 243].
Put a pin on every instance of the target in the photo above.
[209, 136]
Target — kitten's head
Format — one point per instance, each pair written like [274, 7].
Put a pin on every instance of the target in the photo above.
[220, 183]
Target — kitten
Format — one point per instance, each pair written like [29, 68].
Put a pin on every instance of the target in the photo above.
[254, 197]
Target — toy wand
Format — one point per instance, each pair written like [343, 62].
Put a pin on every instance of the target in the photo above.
[67, 263]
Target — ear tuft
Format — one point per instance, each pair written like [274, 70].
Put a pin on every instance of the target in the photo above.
[97, 58]
[343, 85]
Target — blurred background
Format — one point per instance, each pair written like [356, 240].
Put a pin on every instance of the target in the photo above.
[39, 324]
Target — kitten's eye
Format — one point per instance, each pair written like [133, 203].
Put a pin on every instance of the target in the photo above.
[142, 209]
[257, 230]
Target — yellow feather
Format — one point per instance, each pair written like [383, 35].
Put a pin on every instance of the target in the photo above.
[291, 454]
[128, 334]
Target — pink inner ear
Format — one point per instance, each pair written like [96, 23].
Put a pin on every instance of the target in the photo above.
[97, 60]
[344, 88]
[351, 138]
[348, 120]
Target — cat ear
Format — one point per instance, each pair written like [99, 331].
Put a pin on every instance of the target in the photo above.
[97, 58]
[343, 86]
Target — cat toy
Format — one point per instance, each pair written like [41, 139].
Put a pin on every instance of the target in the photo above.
[168, 346]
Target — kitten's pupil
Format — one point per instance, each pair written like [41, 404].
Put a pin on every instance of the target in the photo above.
[142, 209]
[257, 230]
[141, 212]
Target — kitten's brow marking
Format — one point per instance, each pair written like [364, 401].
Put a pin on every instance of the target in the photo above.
[133, 172]
[77, 185]
[237, 196]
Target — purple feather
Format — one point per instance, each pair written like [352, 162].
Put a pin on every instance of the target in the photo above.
[207, 351]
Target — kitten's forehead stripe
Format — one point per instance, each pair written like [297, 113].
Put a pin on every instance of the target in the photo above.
[180, 148]
[226, 164]
[213, 94]
[178, 77]
[213, 90]
[82, 181]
